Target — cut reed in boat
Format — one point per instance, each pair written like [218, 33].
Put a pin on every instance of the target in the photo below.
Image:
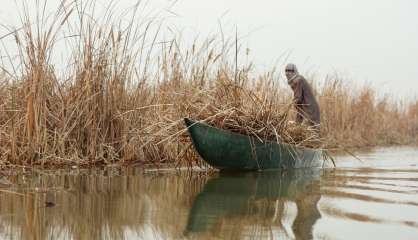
[244, 110]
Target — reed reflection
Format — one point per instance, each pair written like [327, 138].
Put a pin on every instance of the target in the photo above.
[102, 204]
[256, 204]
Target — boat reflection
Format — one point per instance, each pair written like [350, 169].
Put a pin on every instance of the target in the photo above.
[234, 205]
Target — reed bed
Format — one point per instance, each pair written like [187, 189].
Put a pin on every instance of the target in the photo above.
[124, 93]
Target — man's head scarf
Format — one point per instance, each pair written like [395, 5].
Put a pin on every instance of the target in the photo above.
[291, 72]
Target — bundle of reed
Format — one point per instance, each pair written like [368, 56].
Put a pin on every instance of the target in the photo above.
[264, 112]
[244, 109]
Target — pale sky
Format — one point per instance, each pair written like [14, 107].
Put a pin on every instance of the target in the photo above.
[374, 40]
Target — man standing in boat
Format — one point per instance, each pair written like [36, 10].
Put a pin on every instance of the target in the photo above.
[307, 108]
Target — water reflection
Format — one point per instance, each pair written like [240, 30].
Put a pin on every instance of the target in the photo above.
[102, 204]
[236, 205]
[346, 203]
[124, 204]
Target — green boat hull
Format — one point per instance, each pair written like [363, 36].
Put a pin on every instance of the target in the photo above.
[232, 151]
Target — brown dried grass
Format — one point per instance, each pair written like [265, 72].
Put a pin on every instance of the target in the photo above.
[123, 97]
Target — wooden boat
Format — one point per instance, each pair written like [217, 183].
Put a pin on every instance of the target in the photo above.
[232, 151]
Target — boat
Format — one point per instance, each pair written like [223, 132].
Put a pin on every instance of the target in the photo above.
[227, 150]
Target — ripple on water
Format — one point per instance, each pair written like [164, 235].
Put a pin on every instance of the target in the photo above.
[373, 199]
[376, 199]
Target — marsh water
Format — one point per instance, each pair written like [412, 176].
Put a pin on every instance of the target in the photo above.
[376, 198]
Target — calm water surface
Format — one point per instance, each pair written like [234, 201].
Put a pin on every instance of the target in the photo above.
[373, 199]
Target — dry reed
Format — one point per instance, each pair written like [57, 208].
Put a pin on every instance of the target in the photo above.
[124, 94]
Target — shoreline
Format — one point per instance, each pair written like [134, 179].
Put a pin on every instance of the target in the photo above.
[149, 167]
